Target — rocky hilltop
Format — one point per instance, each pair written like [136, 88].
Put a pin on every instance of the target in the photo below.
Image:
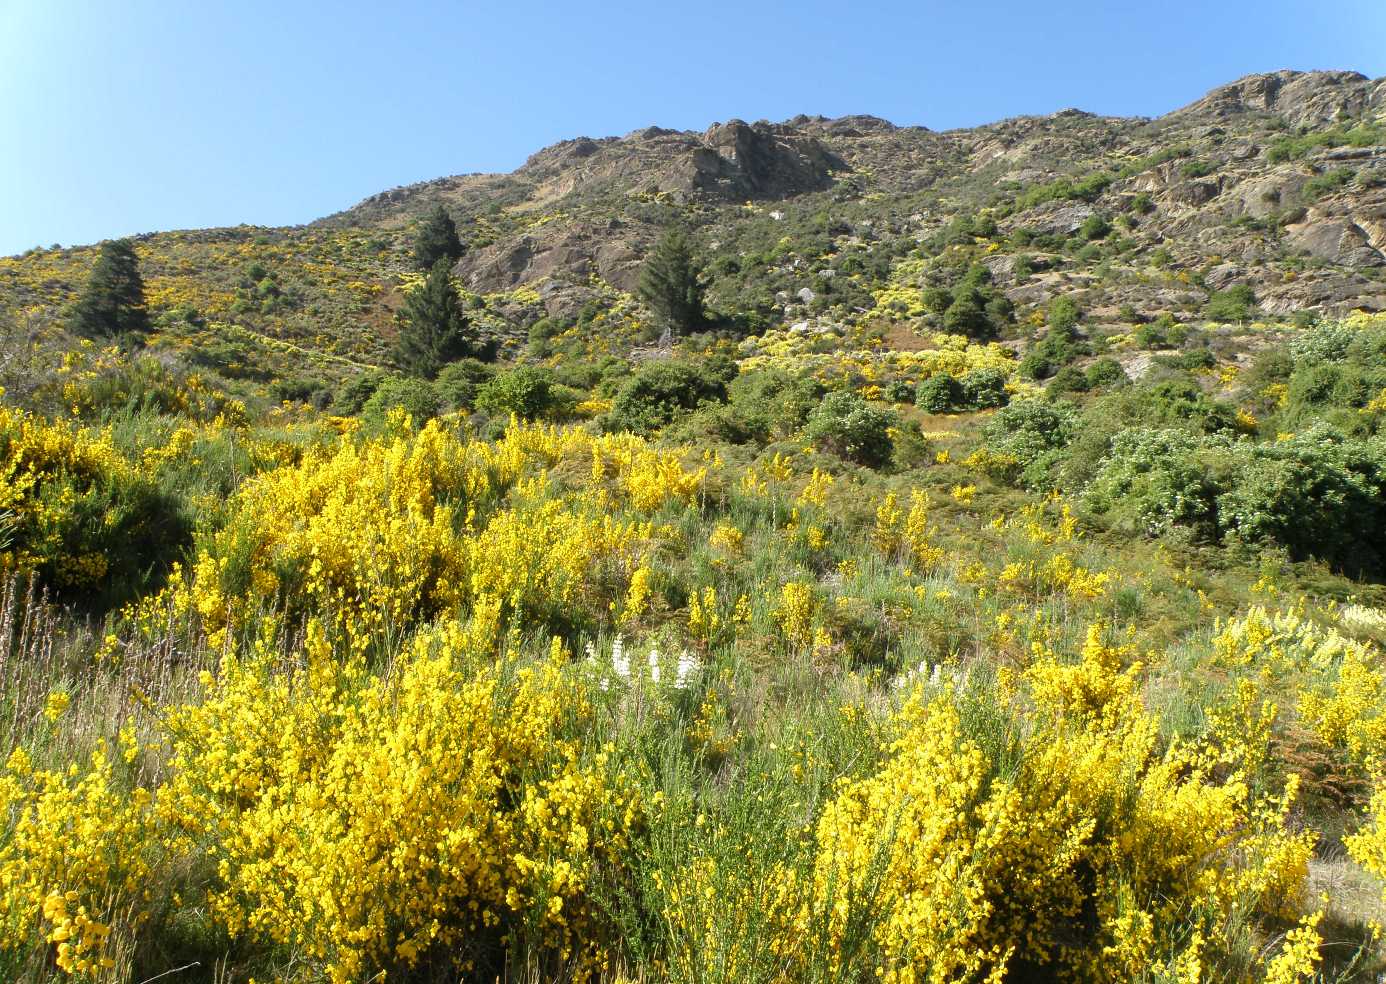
[1275, 181]
[1217, 196]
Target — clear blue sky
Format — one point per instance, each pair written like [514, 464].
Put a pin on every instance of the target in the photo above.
[126, 116]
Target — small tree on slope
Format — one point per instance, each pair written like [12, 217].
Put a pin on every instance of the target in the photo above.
[112, 304]
[669, 283]
[435, 330]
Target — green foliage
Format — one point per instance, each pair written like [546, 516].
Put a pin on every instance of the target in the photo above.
[979, 389]
[1327, 183]
[112, 305]
[671, 283]
[1150, 483]
[435, 330]
[437, 240]
[1294, 147]
[1034, 433]
[528, 392]
[459, 382]
[1085, 189]
[1063, 313]
[1317, 494]
[1069, 379]
[846, 425]
[1105, 373]
[939, 394]
[1095, 226]
[1236, 303]
[1058, 346]
[773, 403]
[352, 395]
[656, 393]
[415, 397]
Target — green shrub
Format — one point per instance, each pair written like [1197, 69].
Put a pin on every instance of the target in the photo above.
[774, 403]
[353, 393]
[1327, 183]
[1035, 433]
[1106, 373]
[1056, 348]
[1175, 402]
[525, 391]
[458, 383]
[1069, 379]
[1151, 336]
[1151, 482]
[653, 397]
[939, 394]
[984, 389]
[1094, 227]
[408, 393]
[1236, 303]
[899, 391]
[846, 425]
[1317, 495]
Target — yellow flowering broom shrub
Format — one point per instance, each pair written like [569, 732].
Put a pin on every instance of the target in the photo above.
[391, 532]
[1082, 851]
[366, 822]
[76, 857]
[81, 515]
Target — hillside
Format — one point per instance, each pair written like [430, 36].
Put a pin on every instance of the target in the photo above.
[988, 585]
[1274, 181]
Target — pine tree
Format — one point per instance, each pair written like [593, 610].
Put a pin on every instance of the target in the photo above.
[437, 240]
[435, 331]
[113, 302]
[669, 283]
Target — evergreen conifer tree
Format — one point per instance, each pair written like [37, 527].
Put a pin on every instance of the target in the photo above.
[112, 304]
[437, 240]
[435, 331]
[669, 283]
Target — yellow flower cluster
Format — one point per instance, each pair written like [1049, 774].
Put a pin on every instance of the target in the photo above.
[905, 535]
[48, 472]
[976, 868]
[795, 612]
[366, 821]
[76, 853]
[390, 532]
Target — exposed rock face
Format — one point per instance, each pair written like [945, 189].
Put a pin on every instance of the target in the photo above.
[739, 161]
[591, 207]
[1301, 98]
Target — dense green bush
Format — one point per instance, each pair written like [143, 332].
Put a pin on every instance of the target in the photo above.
[1317, 494]
[773, 403]
[353, 393]
[846, 425]
[1056, 348]
[939, 394]
[408, 393]
[1105, 373]
[655, 395]
[1176, 401]
[1151, 483]
[1236, 303]
[526, 391]
[984, 389]
[1034, 433]
[458, 383]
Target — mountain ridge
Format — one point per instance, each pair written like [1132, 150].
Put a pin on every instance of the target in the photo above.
[1275, 181]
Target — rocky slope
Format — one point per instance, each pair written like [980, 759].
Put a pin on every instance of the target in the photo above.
[1276, 181]
[1226, 195]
